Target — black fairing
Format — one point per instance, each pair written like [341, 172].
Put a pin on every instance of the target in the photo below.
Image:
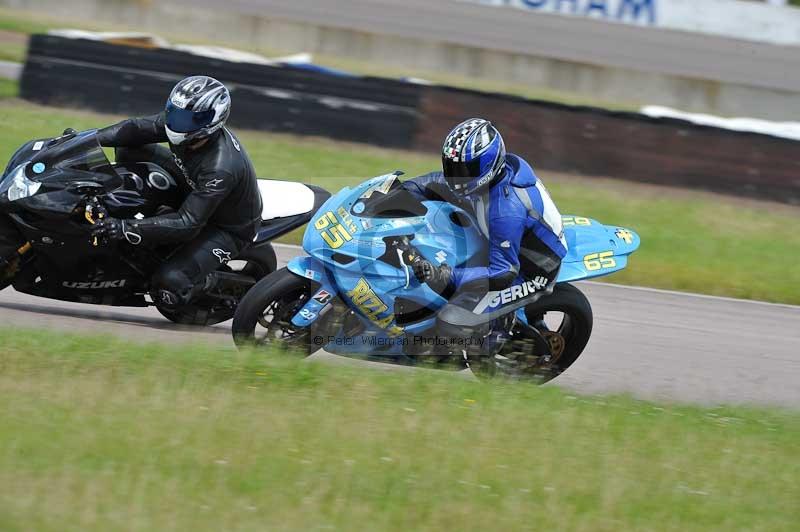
[397, 202]
[73, 170]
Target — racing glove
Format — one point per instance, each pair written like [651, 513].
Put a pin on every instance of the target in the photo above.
[438, 278]
[113, 229]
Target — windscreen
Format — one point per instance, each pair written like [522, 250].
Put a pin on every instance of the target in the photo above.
[81, 152]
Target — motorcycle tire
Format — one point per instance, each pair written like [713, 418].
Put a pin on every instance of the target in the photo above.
[263, 317]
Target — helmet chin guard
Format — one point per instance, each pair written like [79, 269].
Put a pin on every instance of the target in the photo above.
[179, 139]
[176, 138]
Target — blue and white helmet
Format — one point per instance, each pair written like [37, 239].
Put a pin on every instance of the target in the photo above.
[197, 107]
[473, 156]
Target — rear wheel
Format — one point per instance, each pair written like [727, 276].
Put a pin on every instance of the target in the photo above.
[564, 319]
[255, 263]
[264, 316]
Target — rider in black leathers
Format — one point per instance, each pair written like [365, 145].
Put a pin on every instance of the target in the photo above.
[222, 209]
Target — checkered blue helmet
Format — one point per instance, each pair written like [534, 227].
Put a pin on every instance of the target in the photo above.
[197, 107]
[473, 156]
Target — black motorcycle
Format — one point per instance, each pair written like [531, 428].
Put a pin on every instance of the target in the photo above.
[52, 193]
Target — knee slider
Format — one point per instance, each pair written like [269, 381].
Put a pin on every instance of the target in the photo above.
[173, 280]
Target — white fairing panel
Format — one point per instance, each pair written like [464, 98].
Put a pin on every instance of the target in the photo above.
[284, 198]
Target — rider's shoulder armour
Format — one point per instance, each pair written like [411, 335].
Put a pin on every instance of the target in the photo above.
[522, 173]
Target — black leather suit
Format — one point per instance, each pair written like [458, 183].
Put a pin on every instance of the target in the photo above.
[219, 216]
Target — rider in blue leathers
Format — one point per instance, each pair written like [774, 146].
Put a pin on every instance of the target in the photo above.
[512, 207]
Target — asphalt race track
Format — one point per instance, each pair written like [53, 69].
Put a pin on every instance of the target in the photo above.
[650, 343]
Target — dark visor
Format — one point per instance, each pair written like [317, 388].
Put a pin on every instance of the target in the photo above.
[185, 121]
[461, 173]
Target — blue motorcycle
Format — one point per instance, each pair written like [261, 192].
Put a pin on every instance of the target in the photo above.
[356, 295]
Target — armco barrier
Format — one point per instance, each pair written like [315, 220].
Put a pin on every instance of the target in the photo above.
[589, 141]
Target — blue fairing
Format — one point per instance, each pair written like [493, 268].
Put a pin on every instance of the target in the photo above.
[586, 237]
[349, 258]
[312, 269]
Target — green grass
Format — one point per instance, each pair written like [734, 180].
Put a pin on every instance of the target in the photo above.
[13, 52]
[98, 434]
[691, 241]
[19, 24]
[25, 22]
[8, 89]
[696, 242]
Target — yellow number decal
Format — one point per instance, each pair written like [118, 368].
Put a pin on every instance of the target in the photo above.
[336, 235]
[325, 220]
[599, 261]
[575, 220]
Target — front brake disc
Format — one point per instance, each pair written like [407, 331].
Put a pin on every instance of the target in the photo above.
[557, 345]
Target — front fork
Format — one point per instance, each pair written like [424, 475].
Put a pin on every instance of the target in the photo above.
[9, 266]
[321, 301]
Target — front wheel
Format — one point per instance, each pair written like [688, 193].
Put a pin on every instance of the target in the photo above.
[264, 315]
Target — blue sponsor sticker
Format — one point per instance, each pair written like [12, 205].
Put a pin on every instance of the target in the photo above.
[38, 168]
[358, 208]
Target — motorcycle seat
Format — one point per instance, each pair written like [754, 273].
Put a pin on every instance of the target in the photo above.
[287, 206]
[284, 198]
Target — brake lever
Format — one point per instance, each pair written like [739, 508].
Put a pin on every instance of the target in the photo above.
[405, 267]
[408, 255]
[94, 212]
[401, 246]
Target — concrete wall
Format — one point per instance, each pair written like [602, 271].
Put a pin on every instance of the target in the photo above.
[605, 61]
[756, 21]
